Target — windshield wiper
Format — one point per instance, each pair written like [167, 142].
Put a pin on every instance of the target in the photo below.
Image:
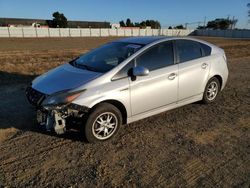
[82, 66]
[85, 67]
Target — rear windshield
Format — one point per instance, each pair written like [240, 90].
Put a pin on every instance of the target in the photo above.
[106, 57]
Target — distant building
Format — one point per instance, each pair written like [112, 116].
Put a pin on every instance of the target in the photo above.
[20, 22]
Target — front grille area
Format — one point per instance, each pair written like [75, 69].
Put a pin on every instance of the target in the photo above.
[34, 97]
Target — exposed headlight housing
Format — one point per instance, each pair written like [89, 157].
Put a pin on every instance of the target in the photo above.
[61, 98]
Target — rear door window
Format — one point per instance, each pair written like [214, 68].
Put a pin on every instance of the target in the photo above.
[188, 50]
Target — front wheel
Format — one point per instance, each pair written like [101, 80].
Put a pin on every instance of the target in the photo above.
[102, 123]
[211, 91]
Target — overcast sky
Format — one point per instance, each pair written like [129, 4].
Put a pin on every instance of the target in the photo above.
[168, 12]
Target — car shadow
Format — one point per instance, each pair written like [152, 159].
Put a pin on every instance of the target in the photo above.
[16, 112]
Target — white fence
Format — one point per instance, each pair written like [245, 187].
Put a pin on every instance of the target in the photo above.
[103, 32]
[88, 32]
[224, 33]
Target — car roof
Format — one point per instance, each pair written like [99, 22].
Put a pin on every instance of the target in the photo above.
[146, 40]
[142, 40]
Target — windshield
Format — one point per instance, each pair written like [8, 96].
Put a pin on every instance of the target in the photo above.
[106, 57]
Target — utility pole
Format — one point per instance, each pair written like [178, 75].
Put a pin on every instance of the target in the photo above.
[205, 20]
[232, 25]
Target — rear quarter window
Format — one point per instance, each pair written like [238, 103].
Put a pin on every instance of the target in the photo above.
[206, 49]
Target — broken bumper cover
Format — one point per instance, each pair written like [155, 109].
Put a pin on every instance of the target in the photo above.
[54, 118]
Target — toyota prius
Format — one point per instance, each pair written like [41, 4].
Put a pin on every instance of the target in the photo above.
[127, 80]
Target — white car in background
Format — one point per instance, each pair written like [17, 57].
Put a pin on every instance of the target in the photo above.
[127, 80]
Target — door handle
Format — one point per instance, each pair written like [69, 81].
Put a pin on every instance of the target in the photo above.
[172, 76]
[204, 65]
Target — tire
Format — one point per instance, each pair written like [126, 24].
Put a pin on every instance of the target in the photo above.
[102, 123]
[210, 94]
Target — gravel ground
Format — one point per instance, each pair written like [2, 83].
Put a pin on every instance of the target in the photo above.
[192, 146]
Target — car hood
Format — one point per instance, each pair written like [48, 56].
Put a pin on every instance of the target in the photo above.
[62, 78]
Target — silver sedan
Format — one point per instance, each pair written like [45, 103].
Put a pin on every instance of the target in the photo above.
[125, 81]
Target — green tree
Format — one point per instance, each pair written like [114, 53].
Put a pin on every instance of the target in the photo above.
[59, 20]
[201, 27]
[179, 27]
[122, 24]
[154, 24]
[221, 23]
[137, 24]
[143, 24]
[129, 23]
[148, 23]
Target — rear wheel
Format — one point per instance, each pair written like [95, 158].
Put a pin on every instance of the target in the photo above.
[211, 91]
[102, 123]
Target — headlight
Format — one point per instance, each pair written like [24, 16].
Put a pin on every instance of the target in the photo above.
[61, 98]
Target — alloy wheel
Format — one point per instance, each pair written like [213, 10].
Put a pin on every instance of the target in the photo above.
[212, 90]
[104, 125]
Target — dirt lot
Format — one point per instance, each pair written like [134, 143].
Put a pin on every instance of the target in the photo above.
[196, 145]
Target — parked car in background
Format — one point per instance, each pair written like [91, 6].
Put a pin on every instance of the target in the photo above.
[127, 80]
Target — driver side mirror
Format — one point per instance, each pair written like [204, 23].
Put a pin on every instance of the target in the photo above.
[140, 71]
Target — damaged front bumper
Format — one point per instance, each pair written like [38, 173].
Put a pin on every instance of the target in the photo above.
[51, 121]
[54, 118]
